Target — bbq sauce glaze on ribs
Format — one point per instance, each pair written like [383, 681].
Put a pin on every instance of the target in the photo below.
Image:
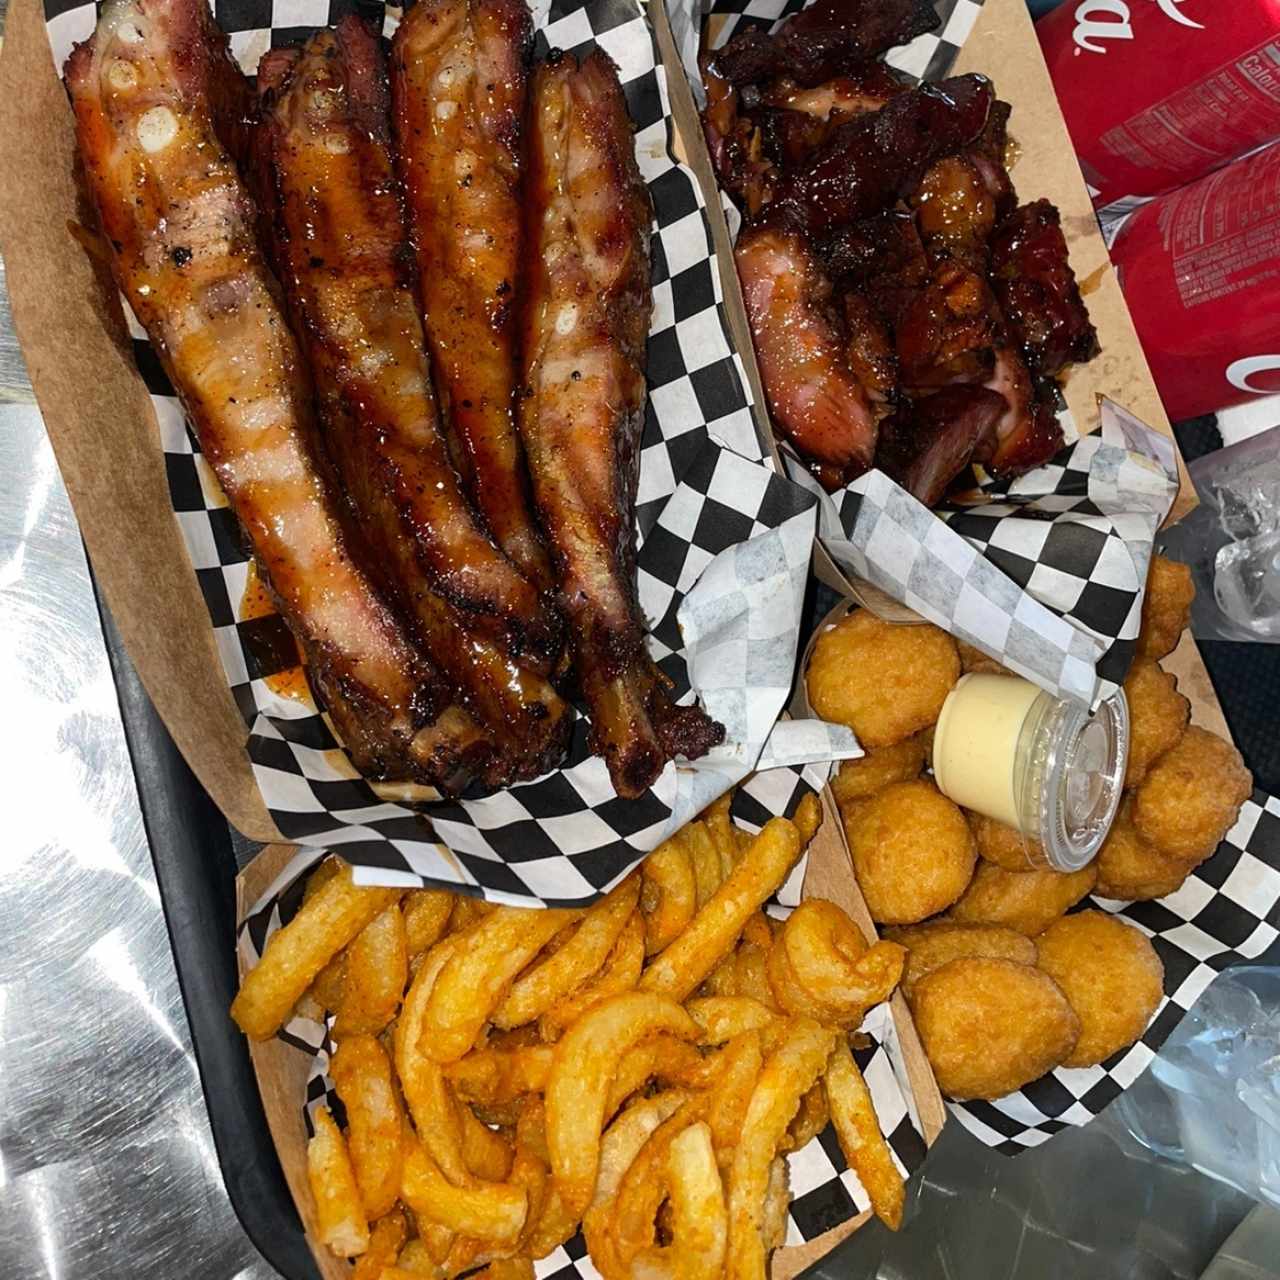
[587, 308]
[399, 540]
[459, 89]
[333, 218]
[149, 90]
[924, 316]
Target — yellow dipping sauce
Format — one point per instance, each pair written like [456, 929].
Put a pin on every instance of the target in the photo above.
[975, 745]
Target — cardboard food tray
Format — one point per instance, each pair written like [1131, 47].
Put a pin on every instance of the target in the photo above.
[1003, 46]
[282, 1069]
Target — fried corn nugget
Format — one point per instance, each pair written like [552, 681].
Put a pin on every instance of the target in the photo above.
[885, 682]
[930, 946]
[990, 1026]
[1111, 976]
[1166, 610]
[1191, 796]
[912, 850]
[1130, 869]
[973, 659]
[1028, 901]
[1001, 844]
[1158, 716]
[859, 779]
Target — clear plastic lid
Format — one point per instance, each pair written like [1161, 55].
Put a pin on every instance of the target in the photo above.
[1069, 775]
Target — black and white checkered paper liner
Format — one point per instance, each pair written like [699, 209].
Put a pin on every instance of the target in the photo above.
[1228, 910]
[825, 1191]
[724, 548]
[1047, 574]
[1051, 582]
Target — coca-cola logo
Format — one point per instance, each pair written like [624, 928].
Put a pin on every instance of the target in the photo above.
[1259, 375]
[1102, 20]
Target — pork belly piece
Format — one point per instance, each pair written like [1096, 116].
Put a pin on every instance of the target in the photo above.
[458, 86]
[582, 408]
[814, 397]
[334, 220]
[180, 225]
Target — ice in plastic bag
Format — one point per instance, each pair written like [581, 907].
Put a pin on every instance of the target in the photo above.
[1232, 541]
[1211, 1098]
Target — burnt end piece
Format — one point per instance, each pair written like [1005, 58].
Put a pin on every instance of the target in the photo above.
[925, 445]
[877, 159]
[1037, 290]
[824, 39]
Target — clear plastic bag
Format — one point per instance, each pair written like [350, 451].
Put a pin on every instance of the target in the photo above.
[1211, 1098]
[1232, 541]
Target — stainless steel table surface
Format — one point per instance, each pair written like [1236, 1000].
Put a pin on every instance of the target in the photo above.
[107, 1166]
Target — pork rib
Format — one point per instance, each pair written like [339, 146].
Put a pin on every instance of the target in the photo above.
[180, 226]
[581, 411]
[458, 91]
[337, 230]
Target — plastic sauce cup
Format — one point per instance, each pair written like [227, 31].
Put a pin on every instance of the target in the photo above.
[1039, 764]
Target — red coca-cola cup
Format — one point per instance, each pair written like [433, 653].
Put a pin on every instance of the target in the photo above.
[1158, 93]
[1200, 270]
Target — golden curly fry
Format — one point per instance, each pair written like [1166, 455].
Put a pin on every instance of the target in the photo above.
[1028, 901]
[426, 1092]
[475, 979]
[788, 1073]
[885, 682]
[722, 1018]
[295, 954]
[560, 974]
[1111, 976]
[489, 1211]
[586, 1060]
[858, 1132]
[362, 1076]
[991, 1026]
[1191, 796]
[1158, 715]
[385, 1242]
[1166, 609]
[426, 917]
[341, 1222]
[621, 972]
[913, 852]
[668, 894]
[828, 969]
[376, 972]
[714, 930]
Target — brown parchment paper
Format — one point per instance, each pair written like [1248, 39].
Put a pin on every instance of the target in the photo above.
[102, 427]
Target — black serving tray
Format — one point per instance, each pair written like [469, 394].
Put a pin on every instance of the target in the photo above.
[197, 855]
